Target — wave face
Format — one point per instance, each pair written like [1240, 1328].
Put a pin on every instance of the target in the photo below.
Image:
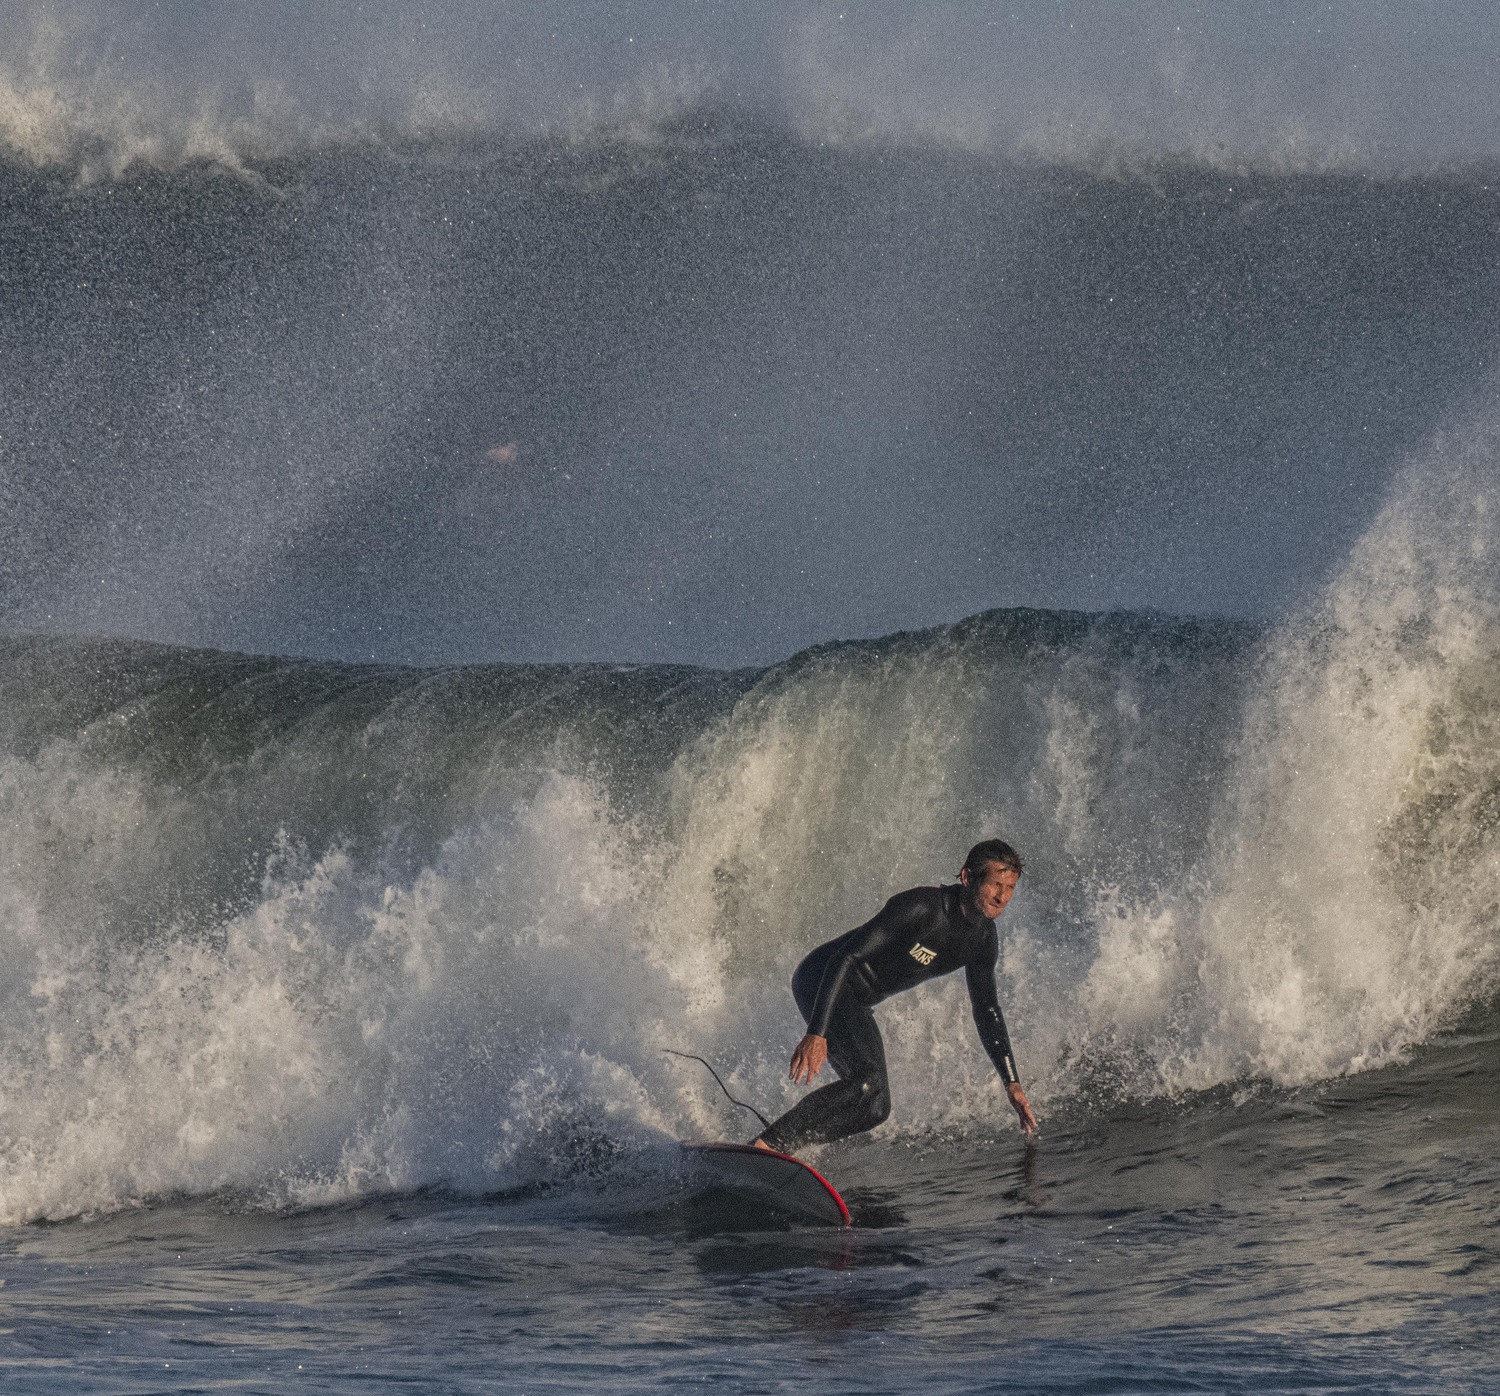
[303, 930]
[369, 360]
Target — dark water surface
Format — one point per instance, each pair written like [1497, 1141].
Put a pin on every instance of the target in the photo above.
[1336, 1238]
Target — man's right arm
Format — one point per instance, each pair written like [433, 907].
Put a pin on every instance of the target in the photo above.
[835, 976]
[812, 1051]
[863, 943]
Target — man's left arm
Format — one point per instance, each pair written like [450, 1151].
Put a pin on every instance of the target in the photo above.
[990, 1021]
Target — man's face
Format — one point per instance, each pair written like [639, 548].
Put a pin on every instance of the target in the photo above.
[992, 889]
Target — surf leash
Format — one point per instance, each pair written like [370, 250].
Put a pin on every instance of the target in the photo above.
[692, 1058]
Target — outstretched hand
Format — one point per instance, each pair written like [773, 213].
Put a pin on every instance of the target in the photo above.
[808, 1059]
[1023, 1107]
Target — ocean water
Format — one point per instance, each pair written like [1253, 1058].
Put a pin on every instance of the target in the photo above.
[339, 995]
[338, 1000]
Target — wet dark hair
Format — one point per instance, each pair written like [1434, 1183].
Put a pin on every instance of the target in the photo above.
[982, 855]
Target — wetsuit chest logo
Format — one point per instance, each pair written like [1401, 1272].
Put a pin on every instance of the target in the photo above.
[921, 954]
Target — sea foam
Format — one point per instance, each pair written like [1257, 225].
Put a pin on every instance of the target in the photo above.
[293, 932]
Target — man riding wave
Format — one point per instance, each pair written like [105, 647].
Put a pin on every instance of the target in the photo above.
[917, 936]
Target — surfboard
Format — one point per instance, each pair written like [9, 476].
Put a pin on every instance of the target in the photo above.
[779, 1182]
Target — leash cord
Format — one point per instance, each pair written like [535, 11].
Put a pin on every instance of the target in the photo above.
[692, 1058]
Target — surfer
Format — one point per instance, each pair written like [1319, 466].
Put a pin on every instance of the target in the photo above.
[917, 936]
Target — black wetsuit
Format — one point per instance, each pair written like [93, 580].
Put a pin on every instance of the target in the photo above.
[917, 936]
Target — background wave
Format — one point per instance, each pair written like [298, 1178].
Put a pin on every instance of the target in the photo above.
[1299, 86]
[709, 395]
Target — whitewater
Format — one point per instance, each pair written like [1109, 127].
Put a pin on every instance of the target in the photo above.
[364, 976]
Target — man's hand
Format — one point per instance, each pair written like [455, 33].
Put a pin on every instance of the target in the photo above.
[1018, 1099]
[808, 1059]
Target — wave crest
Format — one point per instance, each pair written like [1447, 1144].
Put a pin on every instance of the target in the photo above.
[482, 902]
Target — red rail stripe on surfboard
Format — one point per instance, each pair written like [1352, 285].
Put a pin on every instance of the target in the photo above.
[723, 1148]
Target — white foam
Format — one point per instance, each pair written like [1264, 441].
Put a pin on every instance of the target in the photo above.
[499, 1014]
[1346, 909]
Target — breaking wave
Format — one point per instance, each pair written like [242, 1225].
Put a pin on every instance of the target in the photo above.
[299, 930]
[108, 92]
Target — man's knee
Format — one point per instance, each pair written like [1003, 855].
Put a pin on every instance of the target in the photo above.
[875, 1101]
